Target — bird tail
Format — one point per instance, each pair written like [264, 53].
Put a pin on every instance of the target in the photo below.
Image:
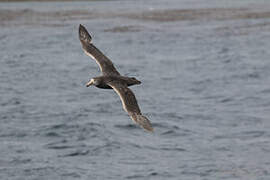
[143, 122]
[84, 35]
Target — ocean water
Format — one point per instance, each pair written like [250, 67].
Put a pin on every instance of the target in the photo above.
[204, 67]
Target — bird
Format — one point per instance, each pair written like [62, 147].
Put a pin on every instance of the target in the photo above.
[112, 79]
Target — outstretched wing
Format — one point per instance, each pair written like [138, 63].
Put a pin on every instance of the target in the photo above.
[130, 104]
[105, 64]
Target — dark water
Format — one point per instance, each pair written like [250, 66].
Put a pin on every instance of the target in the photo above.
[205, 86]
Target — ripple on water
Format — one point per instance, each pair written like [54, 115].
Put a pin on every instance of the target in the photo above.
[84, 130]
[21, 160]
[52, 134]
[166, 148]
[173, 149]
[245, 135]
[126, 126]
[77, 152]
[176, 133]
[226, 100]
[72, 174]
[62, 144]
[136, 176]
[14, 133]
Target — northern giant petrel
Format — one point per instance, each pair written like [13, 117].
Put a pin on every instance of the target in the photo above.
[111, 79]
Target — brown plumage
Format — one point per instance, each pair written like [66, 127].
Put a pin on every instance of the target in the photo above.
[111, 79]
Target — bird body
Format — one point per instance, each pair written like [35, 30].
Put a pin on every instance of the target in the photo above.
[102, 81]
[112, 79]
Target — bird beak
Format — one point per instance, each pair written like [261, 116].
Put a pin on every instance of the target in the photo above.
[91, 82]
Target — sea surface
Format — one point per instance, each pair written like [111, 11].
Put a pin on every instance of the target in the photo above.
[205, 72]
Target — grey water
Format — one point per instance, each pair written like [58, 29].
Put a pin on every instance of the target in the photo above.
[205, 72]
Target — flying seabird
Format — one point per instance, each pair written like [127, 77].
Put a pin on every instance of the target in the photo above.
[112, 79]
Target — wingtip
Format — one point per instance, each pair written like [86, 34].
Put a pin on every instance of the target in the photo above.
[148, 127]
[81, 27]
[151, 129]
[143, 122]
[84, 36]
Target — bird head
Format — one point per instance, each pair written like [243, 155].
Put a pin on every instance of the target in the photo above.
[136, 81]
[93, 81]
